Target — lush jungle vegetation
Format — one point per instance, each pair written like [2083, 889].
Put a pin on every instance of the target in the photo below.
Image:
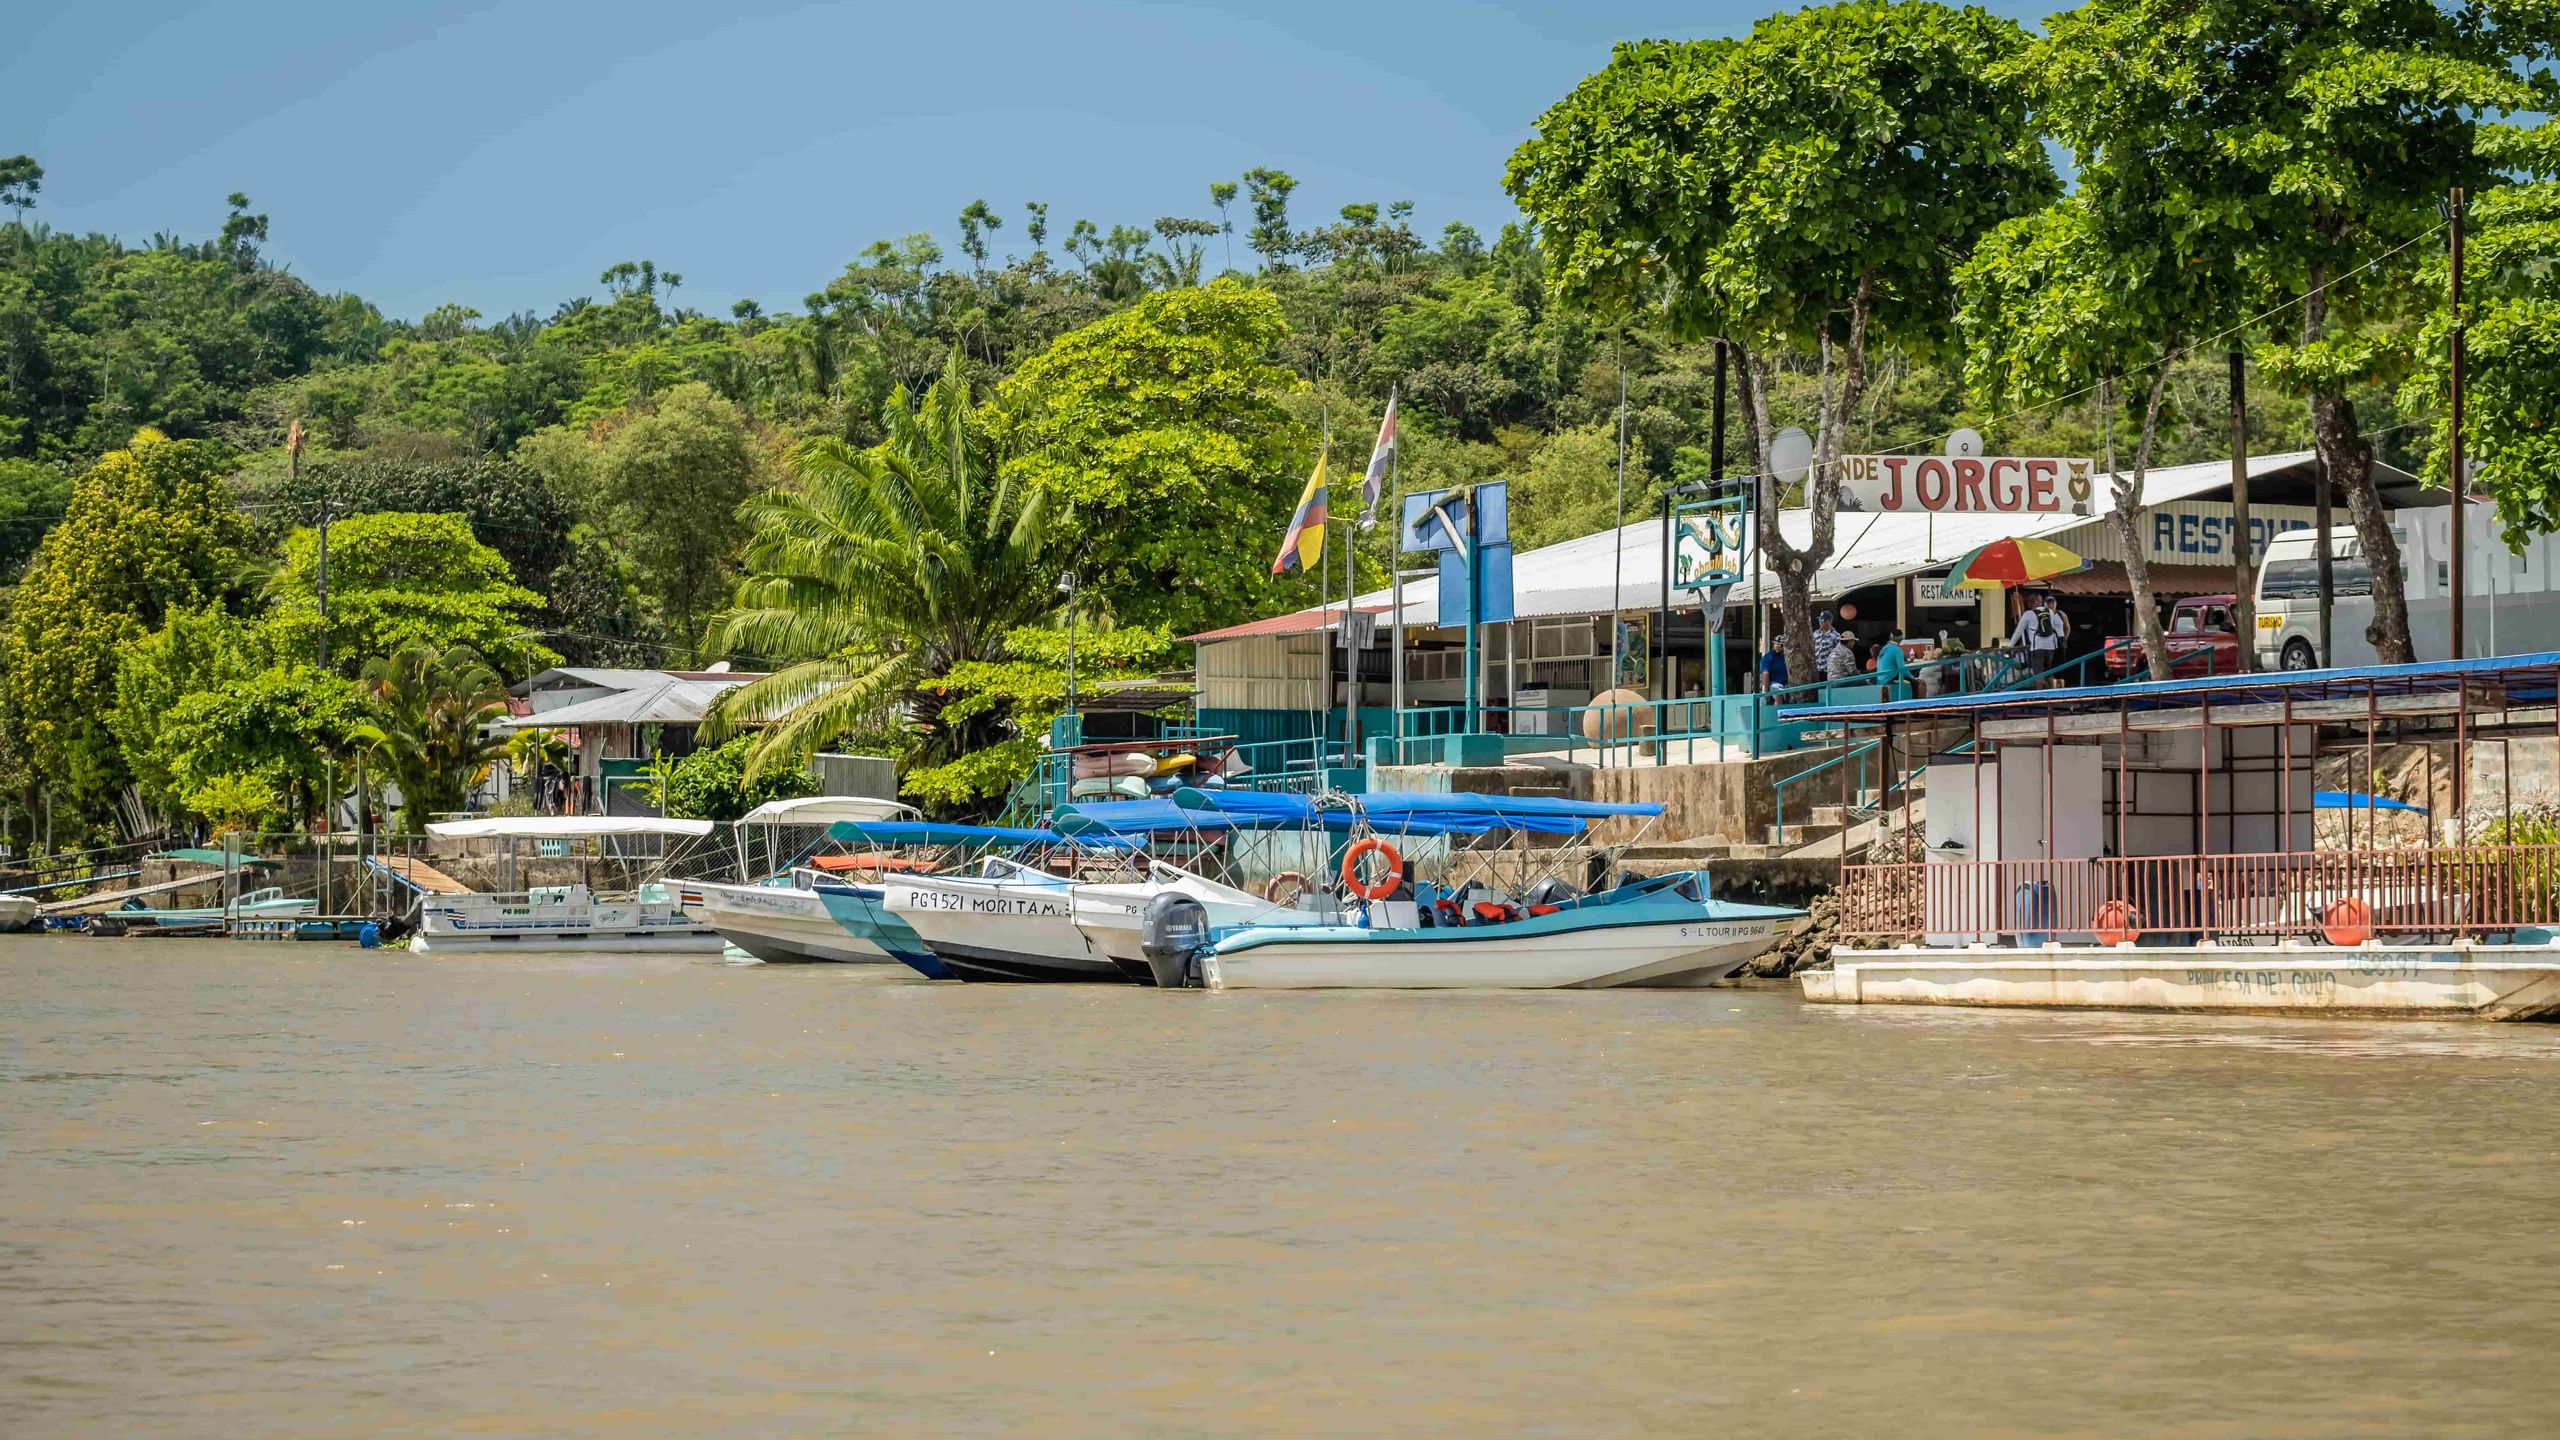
[873, 495]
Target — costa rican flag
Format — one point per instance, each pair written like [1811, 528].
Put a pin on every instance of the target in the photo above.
[1381, 460]
[1303, 546]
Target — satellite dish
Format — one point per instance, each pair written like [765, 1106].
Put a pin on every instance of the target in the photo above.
[1790, 455]
[1964, 445]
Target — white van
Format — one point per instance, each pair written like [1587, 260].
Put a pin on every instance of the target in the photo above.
[2511, 607]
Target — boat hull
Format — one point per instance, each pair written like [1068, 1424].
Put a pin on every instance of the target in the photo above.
[859, 911]
[1008, 931]
[569, 919]
[781, 926]
[2488, 982]
[1673, 949]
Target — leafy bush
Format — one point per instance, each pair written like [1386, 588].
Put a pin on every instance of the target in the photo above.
[712, 784]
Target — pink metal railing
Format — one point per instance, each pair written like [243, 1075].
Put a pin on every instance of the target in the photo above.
[2441, 890]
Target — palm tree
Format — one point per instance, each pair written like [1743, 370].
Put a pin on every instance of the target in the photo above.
[878, 570]
[434, 739]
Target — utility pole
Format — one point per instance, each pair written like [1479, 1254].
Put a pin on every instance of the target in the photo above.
[2244, 608]
[2453, 445]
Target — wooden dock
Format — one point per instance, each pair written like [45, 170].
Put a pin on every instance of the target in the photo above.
[417, 874]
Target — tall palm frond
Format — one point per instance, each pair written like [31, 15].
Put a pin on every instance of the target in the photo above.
[876, 571]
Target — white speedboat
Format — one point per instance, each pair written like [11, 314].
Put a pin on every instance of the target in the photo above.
[1409, 934]
[573, 916]
[1007, 921]
[781, 921]
[784, 920]
[1655, 932]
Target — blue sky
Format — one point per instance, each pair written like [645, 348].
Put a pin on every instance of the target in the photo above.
[501, 155]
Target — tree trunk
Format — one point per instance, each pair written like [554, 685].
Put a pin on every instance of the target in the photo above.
[2348, 458]
[2125, 515]
[1795, 565]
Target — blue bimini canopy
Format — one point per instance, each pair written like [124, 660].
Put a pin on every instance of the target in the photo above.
[1153, 816]
[1415, 813]
[930, 832]
[2350, 800]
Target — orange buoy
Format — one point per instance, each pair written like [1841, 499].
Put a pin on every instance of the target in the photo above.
[2118, 923]
[1378, 889]
[2347, 921]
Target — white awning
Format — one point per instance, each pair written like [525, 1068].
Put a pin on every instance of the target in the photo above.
[563, 827]
[826, 810]
[1572, 577]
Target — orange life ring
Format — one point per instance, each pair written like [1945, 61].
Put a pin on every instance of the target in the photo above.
[2117, 923]
[1373, 889]
[1271, 887]
[2347, 921]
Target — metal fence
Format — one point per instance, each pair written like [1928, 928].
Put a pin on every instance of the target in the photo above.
[2447, 890]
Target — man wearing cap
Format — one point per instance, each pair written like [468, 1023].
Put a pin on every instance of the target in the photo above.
[1824, 639]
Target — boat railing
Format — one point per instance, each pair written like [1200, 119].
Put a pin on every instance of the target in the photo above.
[2442, 890]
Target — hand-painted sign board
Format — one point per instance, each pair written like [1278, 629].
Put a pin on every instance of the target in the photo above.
[1935, 484]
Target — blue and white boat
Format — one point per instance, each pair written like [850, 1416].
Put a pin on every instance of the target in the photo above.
[975, 913]
[1396, 933]
[782, 919]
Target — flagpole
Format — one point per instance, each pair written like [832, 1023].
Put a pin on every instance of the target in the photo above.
[1395, 583]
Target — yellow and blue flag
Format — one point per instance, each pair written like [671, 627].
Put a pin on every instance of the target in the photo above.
[1303, 546]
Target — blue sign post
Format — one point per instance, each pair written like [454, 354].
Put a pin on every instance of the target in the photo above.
[1470, 529]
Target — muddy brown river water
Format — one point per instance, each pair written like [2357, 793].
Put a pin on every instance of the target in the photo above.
[287, 1191]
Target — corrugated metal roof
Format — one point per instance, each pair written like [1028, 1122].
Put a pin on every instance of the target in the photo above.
[1296, 622]
[1573, 576]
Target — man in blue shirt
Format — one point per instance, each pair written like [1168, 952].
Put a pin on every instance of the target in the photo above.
[1773, 667]
[1893, 668]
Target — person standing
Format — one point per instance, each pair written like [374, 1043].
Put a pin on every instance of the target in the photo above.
[1843, 661]
[2040, 636]
[1825, 640]
[1893, 668]
[1773, 668]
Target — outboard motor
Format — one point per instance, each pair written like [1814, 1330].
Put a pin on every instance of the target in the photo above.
[1172, 931]
[1552, 891]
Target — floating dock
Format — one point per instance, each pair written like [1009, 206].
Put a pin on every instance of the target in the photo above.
[2460, 980]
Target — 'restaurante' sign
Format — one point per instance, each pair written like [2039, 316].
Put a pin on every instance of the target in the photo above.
[1932, 484]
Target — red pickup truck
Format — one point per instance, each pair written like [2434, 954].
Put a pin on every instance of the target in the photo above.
[2201, 641]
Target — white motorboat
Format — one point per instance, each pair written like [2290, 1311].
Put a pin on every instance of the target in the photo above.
[783, 919]
[650, 917]
[1406, 934]
[1007, 921]
[1659, 932]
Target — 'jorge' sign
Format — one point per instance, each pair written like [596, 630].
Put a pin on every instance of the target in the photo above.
[1931, 484]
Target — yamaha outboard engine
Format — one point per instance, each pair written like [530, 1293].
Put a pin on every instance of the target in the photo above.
[1172, 931]
[1552, 891]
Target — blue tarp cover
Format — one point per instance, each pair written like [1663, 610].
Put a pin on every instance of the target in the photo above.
[929, 832]
[2526, 677]
[2350, 800]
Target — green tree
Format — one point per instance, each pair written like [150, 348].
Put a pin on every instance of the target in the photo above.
[2306, 143]
[20, 178]
[432, 736]
[664, 484]
[280, 726]
[1804, 189]
[876, 571]
[1570, 488]
[1271, 238]
[1161, 434]
[32, 497]
[149, 529]
[398, 580]
[2512, 293]
[713, 783]
[198, 650]
[1021, 693]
